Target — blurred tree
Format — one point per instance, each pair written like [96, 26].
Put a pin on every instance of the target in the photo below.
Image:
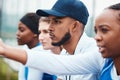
[6, 73]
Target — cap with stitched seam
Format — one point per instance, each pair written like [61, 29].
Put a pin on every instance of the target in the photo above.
[70, 8]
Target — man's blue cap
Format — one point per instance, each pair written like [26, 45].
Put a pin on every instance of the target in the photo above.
[70, 8]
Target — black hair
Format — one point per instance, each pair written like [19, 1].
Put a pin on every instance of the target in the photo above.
[31, 20]
[115, 7]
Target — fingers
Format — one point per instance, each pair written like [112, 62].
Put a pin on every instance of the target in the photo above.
[1, 42]
[0, 39]
[1, 46]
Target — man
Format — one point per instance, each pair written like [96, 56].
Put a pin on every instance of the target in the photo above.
[107, 28]
[45, 40]
[67, 21]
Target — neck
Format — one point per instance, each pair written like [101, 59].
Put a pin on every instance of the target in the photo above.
[70, 45]
[56, 50]
[117, 64]
[33, 43]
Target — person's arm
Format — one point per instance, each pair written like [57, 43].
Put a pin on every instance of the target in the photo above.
[63, 64]
[59, 79]
[16, 54]
[55, 64]
[21, 73]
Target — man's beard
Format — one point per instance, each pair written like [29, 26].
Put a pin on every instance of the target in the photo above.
[66, 37]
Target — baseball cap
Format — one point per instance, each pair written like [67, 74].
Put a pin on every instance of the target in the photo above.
[67, 8]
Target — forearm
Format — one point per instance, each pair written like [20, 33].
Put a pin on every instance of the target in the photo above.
[16, 54]
[60, 64]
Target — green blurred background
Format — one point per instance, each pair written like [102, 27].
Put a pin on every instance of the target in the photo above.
[7, 73]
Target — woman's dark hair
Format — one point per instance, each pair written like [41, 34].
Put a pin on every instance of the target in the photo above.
[31, 20]
[115, 6]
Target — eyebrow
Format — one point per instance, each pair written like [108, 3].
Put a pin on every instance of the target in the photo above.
[58, 17]
[44, 19]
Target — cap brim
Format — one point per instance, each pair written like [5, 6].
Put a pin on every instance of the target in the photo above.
[49, 12]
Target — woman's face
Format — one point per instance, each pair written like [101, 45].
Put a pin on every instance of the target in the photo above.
[44, 37]
[107, 28]
[24, 34]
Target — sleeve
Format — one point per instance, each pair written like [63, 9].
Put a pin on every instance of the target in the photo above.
[21, 73]
[65, 65]
[60, 77]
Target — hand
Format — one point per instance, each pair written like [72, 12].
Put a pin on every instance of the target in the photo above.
[12, 52]
[59, 79]
[2, 47]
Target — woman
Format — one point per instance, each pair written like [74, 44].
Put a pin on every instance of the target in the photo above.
[107, 28]
[27, 34]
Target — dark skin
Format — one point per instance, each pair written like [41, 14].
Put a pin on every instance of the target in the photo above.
[60, 26]
[107, 28]
[117, 65]
[26, 36]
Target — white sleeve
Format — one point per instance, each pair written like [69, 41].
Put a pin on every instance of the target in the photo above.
[62, 64]
[61, 77]
[21, 73]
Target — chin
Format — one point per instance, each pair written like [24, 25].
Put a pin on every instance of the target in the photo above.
[45, 48]
[20, 44]
[105, 55]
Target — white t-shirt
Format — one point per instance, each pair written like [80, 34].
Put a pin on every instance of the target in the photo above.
[114, 74]
[90, 62]
[33, 74]
[65, 65]
[84, 46]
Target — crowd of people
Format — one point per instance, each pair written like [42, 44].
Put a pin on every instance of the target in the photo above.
[67, 53]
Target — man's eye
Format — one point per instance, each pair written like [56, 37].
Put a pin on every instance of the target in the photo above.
[39, 32]
[46, 31]
[57, 21]
[47, 21]
[104, 30]
[95, 30]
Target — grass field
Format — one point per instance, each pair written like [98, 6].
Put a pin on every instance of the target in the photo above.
[6, 73]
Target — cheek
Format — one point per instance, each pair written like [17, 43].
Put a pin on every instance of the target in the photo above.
[40, 38]
[48, 40]
[112, 38]
[27, 33]
[29, 36]
[61, 29]
[60, 34]
[114, 50]
[24, 36]
[114, 45]
[47, 45]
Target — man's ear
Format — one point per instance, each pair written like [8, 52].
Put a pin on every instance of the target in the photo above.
[75, 26]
